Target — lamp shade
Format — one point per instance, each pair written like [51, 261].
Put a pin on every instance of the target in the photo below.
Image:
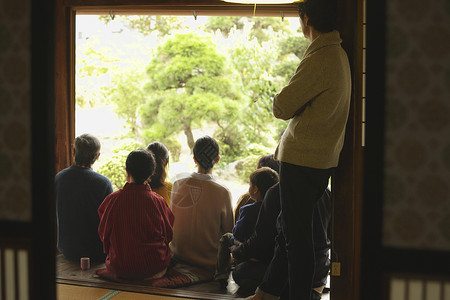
[262, 1]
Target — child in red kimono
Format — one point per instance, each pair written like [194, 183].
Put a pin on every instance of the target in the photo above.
[136, 224]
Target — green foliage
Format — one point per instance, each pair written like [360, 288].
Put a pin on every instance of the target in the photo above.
[182, 58]
[263, 28]
[246, 166]
[92, 78]
[146, 24]
[224, 24]
[190, 86]
[174, 148]
[114, 168]
[258, 67]
[294, 44]
[127, 93]
[232, 139]
[292, 48]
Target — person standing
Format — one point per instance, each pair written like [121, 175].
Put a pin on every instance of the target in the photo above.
[255, 254]
[316, 101]
[79, 192]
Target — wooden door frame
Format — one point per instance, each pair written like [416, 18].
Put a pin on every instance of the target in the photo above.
[35, 237]
[380, 263]
[346, 183]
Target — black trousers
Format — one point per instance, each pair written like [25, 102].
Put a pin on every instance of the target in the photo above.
[248, 274]
[294, 261]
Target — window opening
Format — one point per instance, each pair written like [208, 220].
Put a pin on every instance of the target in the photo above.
[142, 78]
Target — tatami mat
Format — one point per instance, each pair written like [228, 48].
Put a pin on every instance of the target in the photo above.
[74, 292]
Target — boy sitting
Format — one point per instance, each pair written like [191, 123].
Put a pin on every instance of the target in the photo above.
[260, 181]
[255, 254]
[264, 161]
[136, 224]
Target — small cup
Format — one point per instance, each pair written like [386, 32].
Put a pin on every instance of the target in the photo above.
[85, 263]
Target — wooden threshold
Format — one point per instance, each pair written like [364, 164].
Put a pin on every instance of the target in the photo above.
[76, 292]
[175, 293]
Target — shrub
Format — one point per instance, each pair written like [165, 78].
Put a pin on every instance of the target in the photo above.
[114, 168]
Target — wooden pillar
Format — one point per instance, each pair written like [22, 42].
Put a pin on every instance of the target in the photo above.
[64, 85]
[347, 181]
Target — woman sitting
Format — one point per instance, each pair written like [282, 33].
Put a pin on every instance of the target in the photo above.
[158, 181]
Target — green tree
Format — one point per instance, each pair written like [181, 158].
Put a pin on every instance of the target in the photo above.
[93, 69]
[261, 27]
[265, 68]
[146, 24]
[258, 66]
[127, 93]
[224, 24]
[190, 85]
[293, 44]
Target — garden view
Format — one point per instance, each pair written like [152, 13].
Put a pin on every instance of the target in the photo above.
[173, 79]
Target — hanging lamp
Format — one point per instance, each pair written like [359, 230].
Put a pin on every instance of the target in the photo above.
[263, 1]
[255, 2]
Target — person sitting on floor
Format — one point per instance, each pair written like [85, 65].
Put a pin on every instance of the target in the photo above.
[264, 161]
[158, 181]
[202, 208]
[136, 224]
[255, 254]
[261, 180]
[79, 192]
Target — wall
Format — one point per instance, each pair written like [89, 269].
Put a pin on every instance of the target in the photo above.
[26, 150]
[417, 141]
[15, 114]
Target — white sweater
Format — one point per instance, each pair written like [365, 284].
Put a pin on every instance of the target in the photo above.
[203, 213]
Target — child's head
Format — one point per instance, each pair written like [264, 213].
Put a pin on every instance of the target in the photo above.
[206, 152]
[269, 161]
[161, 155]
[260, 181]
[87, 150]
[140, 165]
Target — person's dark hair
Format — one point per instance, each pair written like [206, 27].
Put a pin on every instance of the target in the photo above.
[161, 154]
[140, 165]
[87, 147]
[269, 161]
[264, 178]
[206, 152]
[322, 14]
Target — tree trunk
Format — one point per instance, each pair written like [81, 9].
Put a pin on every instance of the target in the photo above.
[189, 135]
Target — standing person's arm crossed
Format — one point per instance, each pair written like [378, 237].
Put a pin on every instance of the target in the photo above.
[317, 101]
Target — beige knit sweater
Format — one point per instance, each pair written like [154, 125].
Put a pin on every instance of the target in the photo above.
[203, 213]
[316, 101]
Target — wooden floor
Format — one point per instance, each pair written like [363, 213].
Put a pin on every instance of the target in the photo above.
[69, 276]
[71, 289]
[73, 283]
[76, 292]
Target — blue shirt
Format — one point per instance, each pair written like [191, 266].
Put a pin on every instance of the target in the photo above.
[79, 192]
[245, 225]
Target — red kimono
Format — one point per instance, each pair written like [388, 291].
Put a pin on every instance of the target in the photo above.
[136, 229]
